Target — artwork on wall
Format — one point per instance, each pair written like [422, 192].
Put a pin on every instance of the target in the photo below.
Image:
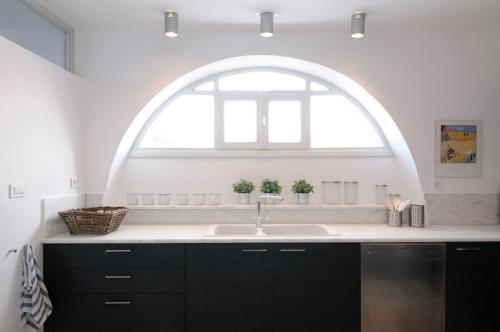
[458, 149]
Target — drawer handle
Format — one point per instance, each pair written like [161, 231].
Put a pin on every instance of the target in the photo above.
[254, 250]
[117, 277]
[117, 302]
[467, 249]
[117, 250]
[292, 250]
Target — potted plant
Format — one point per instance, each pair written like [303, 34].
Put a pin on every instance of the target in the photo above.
[302, 188]
[244, 188]
[270, 187]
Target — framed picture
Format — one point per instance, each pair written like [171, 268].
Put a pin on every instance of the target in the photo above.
[458, 149]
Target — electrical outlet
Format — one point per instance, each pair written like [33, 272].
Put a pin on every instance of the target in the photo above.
[73, 183]
[16, 191]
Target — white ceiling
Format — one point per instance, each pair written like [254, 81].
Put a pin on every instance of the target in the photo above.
[146, 13]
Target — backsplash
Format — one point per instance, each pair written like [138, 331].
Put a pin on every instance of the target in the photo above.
[245, 214]
[462, 209]
[51, 221]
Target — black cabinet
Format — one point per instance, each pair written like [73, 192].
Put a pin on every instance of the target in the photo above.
[472, 287]
[317, 288]
[261, 287]
[116, 287]
[230, 288]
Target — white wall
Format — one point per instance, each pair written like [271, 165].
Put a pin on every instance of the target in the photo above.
[41, 145]
[418, 75]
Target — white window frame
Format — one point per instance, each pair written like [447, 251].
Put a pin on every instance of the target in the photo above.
[261, 149]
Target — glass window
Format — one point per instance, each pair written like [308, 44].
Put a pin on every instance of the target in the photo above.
[240, 121]
[315, 86]
[26, 27]
[262, 109]
[187, 122]
[337, 123]
[284, 121]
[208, 86]
[261, 81]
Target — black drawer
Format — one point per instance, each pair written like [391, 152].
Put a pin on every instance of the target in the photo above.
[109, 256]
[473, 250]
[125, 313]
[119, 281]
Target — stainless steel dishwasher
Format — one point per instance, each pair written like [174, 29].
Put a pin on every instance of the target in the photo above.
[403, 287]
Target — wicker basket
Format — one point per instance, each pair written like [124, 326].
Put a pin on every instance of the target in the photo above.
[97, 220]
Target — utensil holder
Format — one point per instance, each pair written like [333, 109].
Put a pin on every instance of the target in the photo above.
[417, 216]
[394, 219]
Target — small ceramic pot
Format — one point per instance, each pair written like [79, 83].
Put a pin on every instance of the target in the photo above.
[244, 198]
[302, 198]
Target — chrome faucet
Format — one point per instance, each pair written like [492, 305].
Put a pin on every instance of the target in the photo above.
[263, 199]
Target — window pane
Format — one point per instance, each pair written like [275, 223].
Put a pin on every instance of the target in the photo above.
[261, 81]
[284, 121]
[338, 123]
[240, 121]
[26, 27]
[187, 122]
[318, 87]
[208, 86]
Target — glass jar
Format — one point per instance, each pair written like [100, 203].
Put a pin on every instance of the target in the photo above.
[214, 198]
[148, 199]
[198, 199]
[182, 199]
[351, 192]
[331, 191]
[164, 199]
[380, 193]
[133, 198]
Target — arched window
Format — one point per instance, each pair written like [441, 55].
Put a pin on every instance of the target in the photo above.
[260, 112]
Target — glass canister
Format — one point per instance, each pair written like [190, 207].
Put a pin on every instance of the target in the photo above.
[182, 199]
[148, 199]
[380, 193]
[133, 198]
[351, 192]
[198, 199]
[331, 191]
[214, 198]
[164, 199]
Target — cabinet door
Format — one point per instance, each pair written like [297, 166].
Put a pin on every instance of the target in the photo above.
[229, 287]
[472, 287]
[318, 288]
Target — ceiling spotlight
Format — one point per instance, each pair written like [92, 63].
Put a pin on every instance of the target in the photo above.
[171, 24]
[266, 24]
[358, 25]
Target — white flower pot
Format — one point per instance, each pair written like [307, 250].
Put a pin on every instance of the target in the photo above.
[302, 199]
[244, 198]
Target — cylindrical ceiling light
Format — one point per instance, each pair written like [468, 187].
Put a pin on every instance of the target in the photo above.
[171, 24]
[358, 25]
[266, 24]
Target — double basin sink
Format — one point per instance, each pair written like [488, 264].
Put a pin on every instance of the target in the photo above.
[268, 230]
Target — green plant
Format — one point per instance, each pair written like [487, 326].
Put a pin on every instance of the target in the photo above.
[302, 187]
[243, 186]
[270, 187]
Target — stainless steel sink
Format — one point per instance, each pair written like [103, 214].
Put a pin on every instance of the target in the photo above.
[268, 230]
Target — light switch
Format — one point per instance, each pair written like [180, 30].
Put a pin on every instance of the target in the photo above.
[16, 190]
[73, 183]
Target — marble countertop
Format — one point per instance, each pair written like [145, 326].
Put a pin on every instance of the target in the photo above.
[346, 233]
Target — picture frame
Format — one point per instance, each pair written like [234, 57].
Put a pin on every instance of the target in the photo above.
[458, 148]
